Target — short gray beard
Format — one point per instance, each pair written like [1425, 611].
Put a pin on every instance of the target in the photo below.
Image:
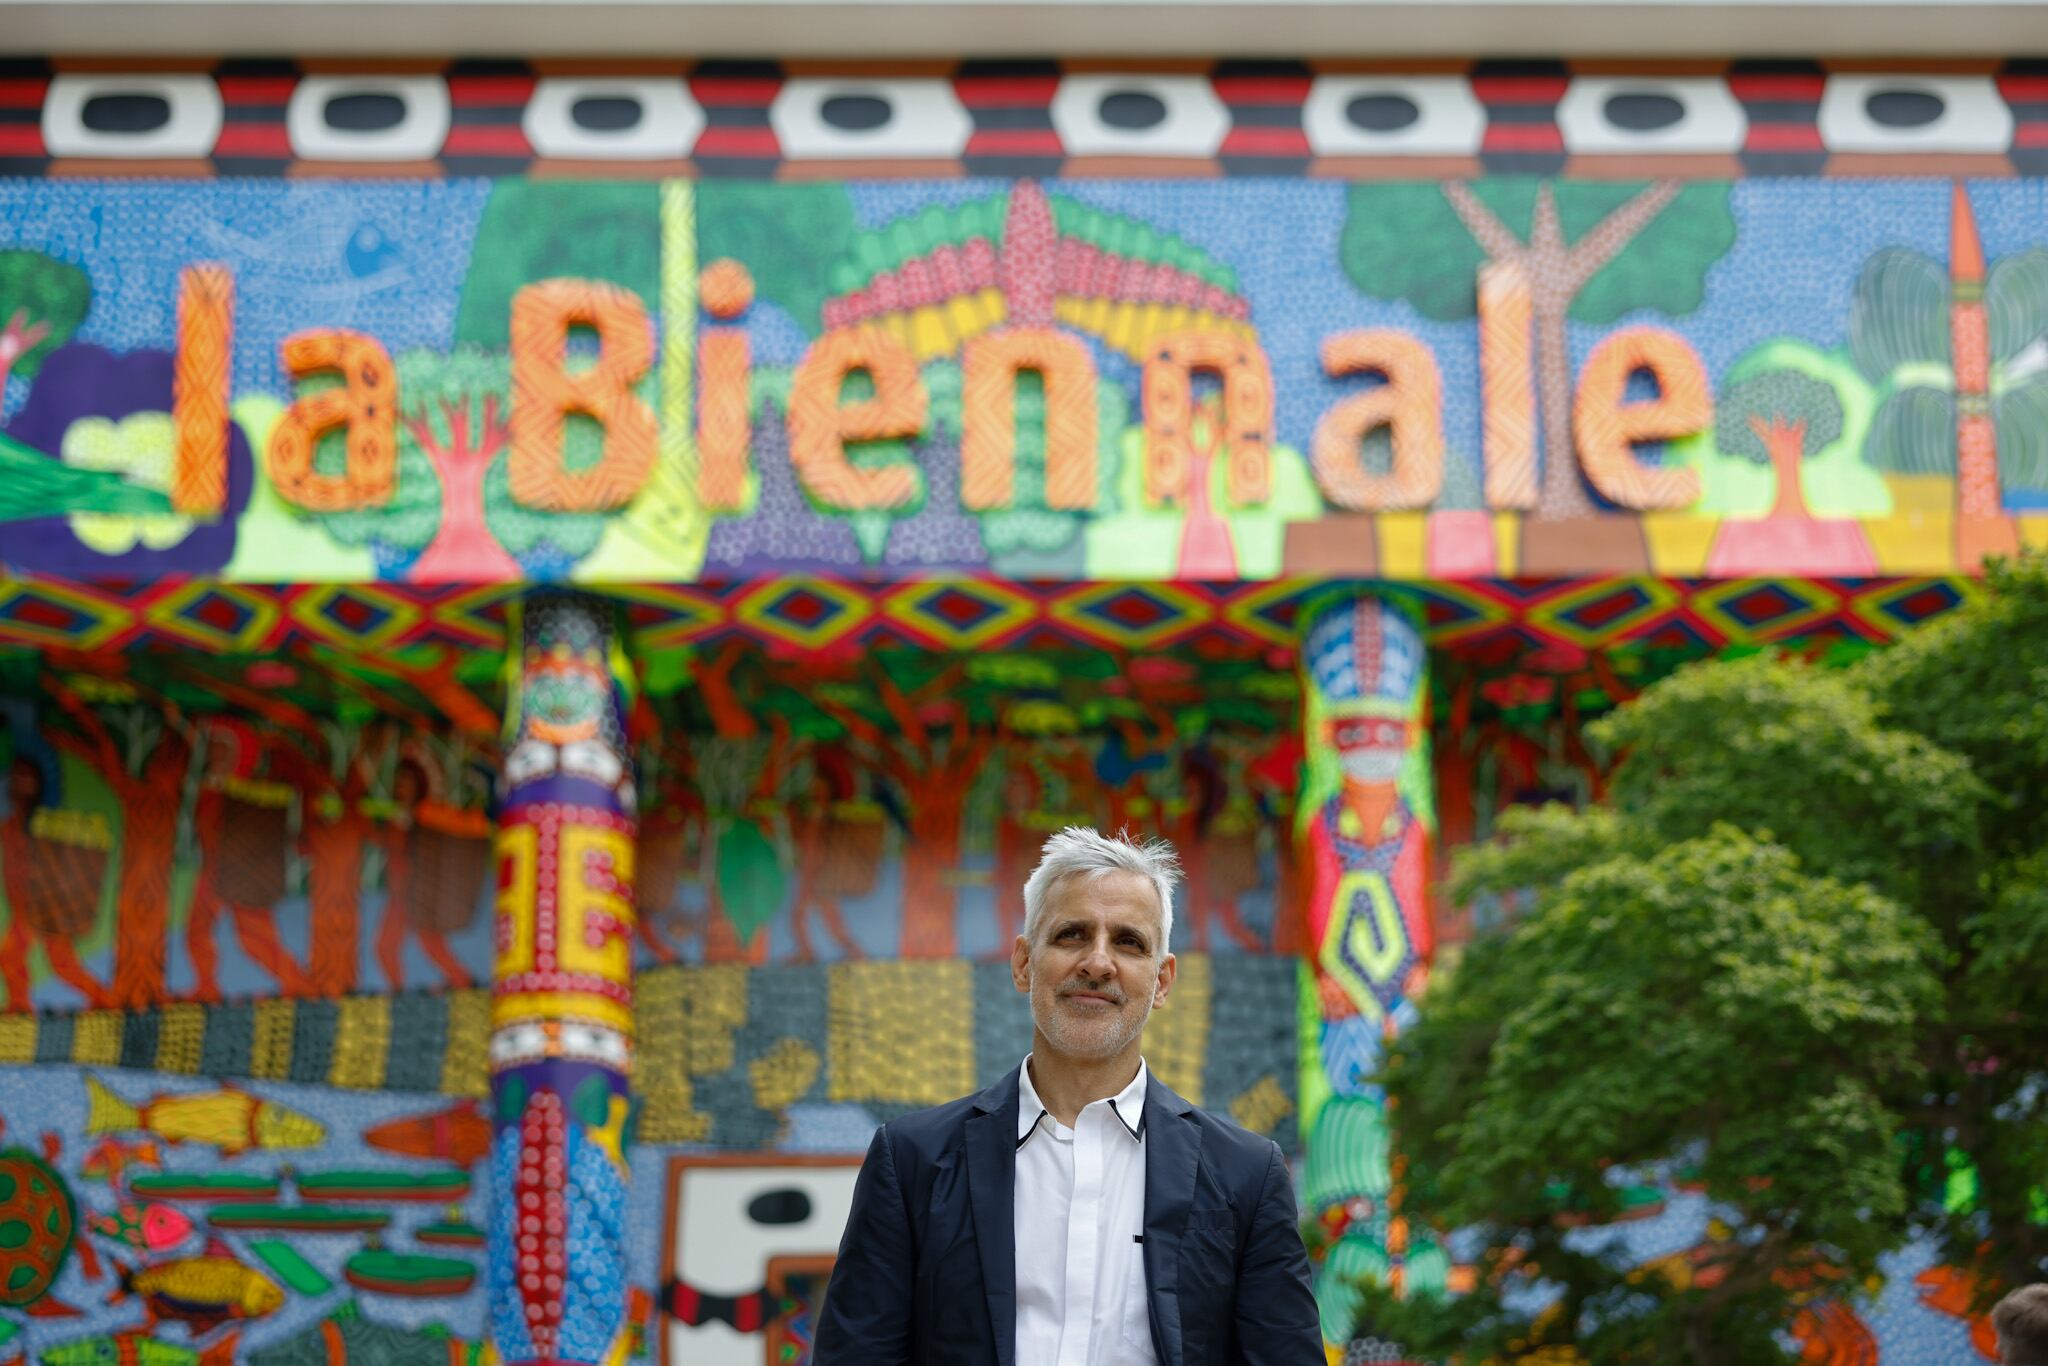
[1053, 1029]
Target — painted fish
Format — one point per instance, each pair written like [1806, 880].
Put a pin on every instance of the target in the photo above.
[111, 1158]
[147, 1228]
[136, 1348]
[205, 1291]
[458, 1134]
[230, 1120]
[346, 1338]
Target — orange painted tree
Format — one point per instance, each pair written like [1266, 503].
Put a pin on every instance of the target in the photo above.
[933, 755]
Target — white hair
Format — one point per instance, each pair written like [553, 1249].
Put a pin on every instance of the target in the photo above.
[1078, 851]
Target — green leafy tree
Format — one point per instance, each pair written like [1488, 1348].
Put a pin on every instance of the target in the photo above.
[1798, 956]
[1592, 251]
[784, 235]
[549, 229]
[1777, 418]
[453, 503]
[43, 301]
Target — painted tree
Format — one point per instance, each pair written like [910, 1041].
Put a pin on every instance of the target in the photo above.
[147, 770]
[452, 514]
[1590, 252]
[538, 230]
[1901, 338]
[1778, 418]
[933, 752]
[43, 301]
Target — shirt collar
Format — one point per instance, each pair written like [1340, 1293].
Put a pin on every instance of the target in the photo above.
[1128, 1105]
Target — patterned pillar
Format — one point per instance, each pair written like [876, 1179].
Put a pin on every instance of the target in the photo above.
[562, 991]
[1363, 828]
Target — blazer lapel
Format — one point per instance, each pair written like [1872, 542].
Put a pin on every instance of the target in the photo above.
[991, 1192]
[1173, 1152]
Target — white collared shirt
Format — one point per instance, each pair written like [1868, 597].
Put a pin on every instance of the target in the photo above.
[1080, 1209]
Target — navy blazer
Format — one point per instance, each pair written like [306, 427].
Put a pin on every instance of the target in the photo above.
[927, 1268]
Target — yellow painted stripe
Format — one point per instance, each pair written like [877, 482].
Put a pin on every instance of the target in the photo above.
[17, 1038]
[560, 1005]
[270, 1050]
[1403, 538]
[96, 1038]
[181, 1038]
[465, 1066]
[362, 1043]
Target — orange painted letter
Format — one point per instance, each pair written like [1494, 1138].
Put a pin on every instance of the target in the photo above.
[820, 426]
[1607, 428]
[199, 391]
[366, 405]
[988, 447]
[1170, 414]
[1409, 404]
[1507, 389]
[545, 392]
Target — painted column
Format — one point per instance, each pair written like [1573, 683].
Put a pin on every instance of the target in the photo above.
[1362, 832]
[562, 989]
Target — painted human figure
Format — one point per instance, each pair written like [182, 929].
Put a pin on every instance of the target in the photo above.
[412, 791]
[1368, 852]
[26, 789]
[234, 753]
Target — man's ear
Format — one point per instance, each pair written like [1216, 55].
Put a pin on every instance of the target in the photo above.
[1020, 963]
[1167, 971]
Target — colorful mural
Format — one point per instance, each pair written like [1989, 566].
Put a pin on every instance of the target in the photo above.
[492, 605]
[504, 381]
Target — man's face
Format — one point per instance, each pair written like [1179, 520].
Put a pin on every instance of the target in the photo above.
[1094, 972]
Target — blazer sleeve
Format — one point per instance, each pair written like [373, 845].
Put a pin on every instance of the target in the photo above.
[1277, 1320]
[866, 1319]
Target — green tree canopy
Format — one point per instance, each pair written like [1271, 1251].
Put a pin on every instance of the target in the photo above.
[787, 236]
[42, 302]
[1777, 399]
[1406, 241]
[545, 229]
[1800, 955]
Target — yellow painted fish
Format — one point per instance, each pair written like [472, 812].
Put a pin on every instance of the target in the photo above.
[204, 1291]
[230, 1120]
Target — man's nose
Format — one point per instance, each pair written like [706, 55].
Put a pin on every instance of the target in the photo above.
[1098, 962]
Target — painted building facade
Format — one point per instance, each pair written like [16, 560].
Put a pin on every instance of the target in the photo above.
[542, 602]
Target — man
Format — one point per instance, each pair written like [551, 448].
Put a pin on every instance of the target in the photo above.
[1076, 1213]
[2021, 1319]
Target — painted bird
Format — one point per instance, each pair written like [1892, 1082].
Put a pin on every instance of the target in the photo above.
[146, 1228]
[205, 1291]
[137, 1348]
[458, 1134]
[230, 1120]
[111, 1158]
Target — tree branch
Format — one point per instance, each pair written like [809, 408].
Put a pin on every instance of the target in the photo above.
[1493, 236]
[1617, 230]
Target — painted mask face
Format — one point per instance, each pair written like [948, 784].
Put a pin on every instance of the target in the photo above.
[1370, 748]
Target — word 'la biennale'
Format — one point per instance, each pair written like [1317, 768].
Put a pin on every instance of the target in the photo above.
[364, 407]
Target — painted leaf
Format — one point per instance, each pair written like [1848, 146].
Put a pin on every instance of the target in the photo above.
[751, 882]
[1899, 313]
[1914, 432]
